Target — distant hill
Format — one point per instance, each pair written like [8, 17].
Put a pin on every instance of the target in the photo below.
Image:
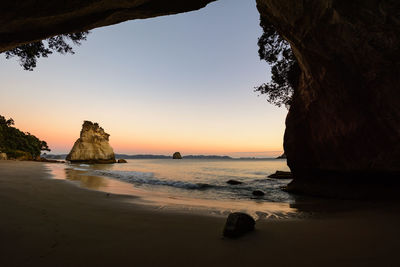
[150, 156]
[141, 156]
[206, 157]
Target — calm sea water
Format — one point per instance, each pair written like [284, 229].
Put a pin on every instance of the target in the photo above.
[189, 183]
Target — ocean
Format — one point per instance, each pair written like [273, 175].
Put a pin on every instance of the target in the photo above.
[189, 184]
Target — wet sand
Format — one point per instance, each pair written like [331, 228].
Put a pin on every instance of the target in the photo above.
[48, 222]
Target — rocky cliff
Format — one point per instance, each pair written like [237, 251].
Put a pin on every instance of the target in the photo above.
[92, 146]
[27, 21]
[343, 129]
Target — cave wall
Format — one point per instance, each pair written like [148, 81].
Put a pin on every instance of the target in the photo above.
[344, 124]
[27, 21]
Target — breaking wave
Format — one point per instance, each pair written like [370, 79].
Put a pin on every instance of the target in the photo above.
[148, 178]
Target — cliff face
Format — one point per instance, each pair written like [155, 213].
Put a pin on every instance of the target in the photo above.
[92, 146]
[27, 21]
[344, 124]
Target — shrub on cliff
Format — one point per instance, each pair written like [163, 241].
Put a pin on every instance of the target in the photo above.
[29, 53]
[17, 144]
[284, 67]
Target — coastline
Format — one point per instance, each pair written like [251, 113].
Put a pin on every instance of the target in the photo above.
[48, 222]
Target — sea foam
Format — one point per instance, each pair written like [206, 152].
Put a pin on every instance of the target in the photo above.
[148, 178]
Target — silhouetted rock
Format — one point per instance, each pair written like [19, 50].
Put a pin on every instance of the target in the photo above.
[258, 193]
[92, 146]
[122, 161]
[344, 119]
[177, 155]
[76, 16]
[3, 156]
[283, 156]
[281, 175]
[238, 224]
[233, 182]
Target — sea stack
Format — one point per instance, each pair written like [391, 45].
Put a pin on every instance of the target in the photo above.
[177, 155]
[92, 146]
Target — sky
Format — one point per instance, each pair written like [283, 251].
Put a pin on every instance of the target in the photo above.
[174, 83]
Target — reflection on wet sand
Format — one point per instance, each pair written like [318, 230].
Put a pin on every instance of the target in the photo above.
[91, 182]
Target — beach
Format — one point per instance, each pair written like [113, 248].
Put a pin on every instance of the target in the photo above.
[50, 222]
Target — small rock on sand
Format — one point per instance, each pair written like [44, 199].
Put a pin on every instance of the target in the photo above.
[238, 224]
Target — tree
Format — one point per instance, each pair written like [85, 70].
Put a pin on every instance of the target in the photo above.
[284, 67]
[16, 143]
[29, 53]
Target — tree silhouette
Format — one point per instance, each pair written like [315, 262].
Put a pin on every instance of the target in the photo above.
[29, 53]
[284, 67]
[16, 143]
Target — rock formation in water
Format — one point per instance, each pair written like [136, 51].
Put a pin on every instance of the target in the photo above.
[344, 123]
[92, 146]
[177, 155]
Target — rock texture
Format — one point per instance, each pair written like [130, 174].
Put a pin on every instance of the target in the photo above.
[177, 155]
[92, 146]
[343, 128]
[26, 21]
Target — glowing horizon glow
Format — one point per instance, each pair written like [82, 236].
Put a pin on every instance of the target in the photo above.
[174, 83]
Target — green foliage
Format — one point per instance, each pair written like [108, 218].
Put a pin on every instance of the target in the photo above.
[29, 53]
[284, 67]
[18, 144]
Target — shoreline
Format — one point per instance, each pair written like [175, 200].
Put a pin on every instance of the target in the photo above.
[47, 222]
[174, 202]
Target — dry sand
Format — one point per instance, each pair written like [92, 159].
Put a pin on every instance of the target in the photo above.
[48, 222]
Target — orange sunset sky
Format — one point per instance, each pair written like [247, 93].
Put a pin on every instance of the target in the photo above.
[175, 83]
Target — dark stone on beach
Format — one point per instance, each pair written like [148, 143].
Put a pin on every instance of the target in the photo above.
[258, 193]
[234, 182]
[281, 175]
[238, 224]
[177, 155]
[122, 161]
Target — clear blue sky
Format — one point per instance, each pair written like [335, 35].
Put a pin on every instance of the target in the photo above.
[182, 82]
